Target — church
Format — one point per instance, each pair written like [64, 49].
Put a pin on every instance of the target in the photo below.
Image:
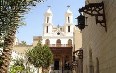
[58, 38]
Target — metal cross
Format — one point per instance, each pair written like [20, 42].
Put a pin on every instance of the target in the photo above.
[68, 6]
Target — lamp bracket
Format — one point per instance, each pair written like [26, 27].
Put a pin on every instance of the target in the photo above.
[79, 53]
[97, 10]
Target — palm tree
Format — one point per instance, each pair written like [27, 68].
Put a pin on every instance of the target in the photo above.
[23, 43]
[10, 15]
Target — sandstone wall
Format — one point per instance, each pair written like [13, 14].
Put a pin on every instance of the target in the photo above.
[100, 46]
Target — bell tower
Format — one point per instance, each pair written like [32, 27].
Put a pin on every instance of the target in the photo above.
[48, 21]
[48, 16]
[68, 16]
[68, 21]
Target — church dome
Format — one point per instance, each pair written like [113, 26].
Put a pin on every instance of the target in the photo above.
[49, 10]
[68, 11]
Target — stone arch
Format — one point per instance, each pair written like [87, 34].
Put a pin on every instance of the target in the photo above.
[47, 41]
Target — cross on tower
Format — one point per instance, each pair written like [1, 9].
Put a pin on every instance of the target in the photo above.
[68, 6]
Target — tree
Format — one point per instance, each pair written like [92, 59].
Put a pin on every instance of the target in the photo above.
[11, 13]
[40, 56]
[19, 66]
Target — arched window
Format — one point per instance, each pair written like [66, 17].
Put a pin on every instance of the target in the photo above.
[47, 42]
[68, 28]
[46, 29]
[70, 42]
[47, 19]
[58, 42]
[68, 19]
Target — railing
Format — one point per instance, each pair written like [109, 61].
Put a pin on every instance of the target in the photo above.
[60, 71]
[60, 45]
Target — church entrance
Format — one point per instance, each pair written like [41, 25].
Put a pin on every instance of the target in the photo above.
[62, 59]
[56, 64]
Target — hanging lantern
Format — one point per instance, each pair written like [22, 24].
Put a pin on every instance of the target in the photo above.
[81, 22]
[93, 9]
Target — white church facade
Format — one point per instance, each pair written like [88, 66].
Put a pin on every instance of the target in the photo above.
[60, 40]
[52, 33]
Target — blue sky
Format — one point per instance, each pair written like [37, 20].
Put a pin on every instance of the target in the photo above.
[35, 17]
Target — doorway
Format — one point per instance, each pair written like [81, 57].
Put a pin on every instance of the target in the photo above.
[56, 64]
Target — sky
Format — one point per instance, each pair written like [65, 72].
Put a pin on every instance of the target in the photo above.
[35, 17]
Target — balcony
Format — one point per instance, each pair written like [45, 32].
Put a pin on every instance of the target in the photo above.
[60, 45]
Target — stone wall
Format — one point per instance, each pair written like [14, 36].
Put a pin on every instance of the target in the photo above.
[98, 45]
[77, 39]
[22, 48]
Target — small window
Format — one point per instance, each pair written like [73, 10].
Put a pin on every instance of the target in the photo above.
[47, 19]
[68, 28]
[47, 29]
[68, 19]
